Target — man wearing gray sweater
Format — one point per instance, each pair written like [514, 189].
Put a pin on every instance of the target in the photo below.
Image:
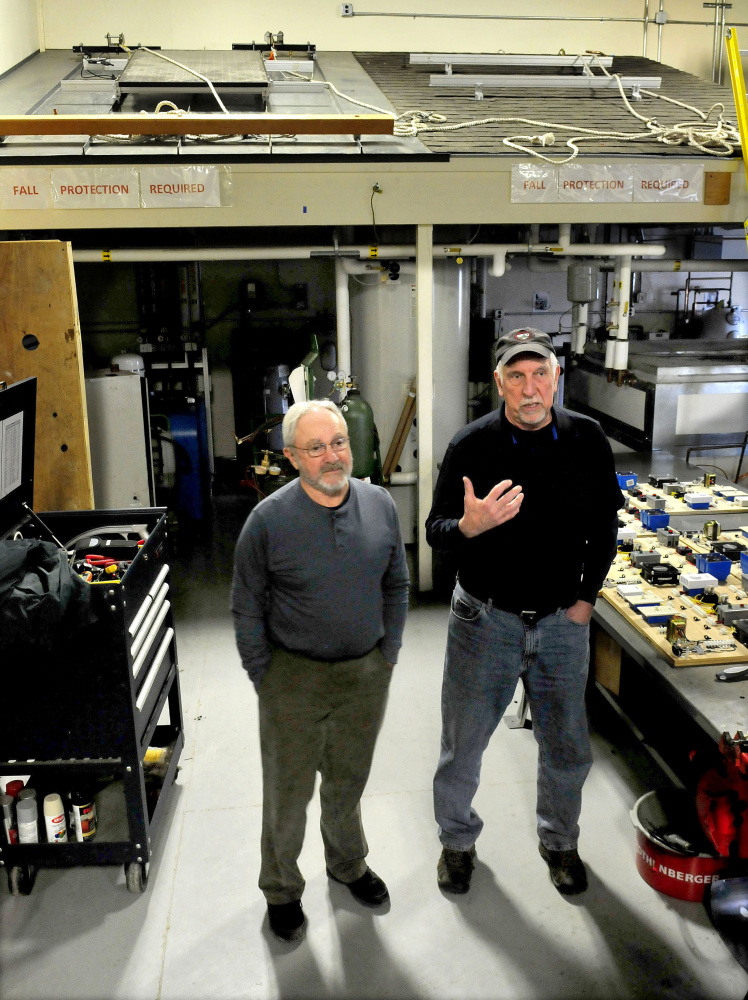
[319, 599]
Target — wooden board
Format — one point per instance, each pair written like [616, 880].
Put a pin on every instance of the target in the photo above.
[679, 507]
[695, 621]
[39, 306]
[188, 124]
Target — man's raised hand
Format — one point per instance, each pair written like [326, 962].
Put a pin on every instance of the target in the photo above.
[499, 505]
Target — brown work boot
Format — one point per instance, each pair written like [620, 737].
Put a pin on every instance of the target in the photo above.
[567, 870]
[454, 870]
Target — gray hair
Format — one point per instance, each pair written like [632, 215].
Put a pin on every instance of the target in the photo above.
[553, 360]
[299, 410]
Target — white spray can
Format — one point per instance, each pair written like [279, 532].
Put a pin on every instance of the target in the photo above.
[54, 819]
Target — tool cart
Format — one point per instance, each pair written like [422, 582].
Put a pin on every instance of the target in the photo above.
[95, 710]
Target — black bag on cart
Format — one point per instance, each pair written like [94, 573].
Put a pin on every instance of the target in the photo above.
[43, 603]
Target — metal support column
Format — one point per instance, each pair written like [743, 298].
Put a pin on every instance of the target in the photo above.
[425, 396]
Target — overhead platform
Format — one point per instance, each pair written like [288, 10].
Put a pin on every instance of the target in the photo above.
[407, 85]
[229, 72]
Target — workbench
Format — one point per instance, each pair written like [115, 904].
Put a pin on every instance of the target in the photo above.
[661, 699]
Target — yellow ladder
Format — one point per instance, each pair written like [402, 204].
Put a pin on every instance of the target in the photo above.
[741, 99]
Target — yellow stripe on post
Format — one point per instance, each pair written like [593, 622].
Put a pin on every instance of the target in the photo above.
[738, 92]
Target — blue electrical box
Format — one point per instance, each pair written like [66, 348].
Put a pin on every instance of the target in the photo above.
[654, 519]
[715, 564]
[626, 479]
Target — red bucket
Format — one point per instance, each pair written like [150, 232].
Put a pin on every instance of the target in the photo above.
[682, 874]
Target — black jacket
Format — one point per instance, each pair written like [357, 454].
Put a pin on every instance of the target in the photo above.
[560, 545]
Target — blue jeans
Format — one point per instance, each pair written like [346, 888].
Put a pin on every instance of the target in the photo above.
[488, 650]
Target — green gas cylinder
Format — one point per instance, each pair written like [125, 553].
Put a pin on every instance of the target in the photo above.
[360, 419]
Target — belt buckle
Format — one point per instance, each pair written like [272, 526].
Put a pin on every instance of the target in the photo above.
[529, 618]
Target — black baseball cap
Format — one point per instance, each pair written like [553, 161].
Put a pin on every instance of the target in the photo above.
[523, 341]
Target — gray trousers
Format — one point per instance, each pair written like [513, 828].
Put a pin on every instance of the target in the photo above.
[316, 716]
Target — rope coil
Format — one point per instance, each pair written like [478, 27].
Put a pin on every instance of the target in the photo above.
[714, 138]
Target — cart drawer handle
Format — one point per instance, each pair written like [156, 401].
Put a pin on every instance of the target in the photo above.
[145, 627]
[155, 667]
[138, 664]
[135, 623]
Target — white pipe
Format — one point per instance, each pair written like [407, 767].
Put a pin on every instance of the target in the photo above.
[574, 325]
[615, 313]
[610, 346]
[621, 355]
[130, 255]
[403, 478]
[648, 264]
[672, 264]
[494, 250]
[580, 312]
[497, 267]
[425, 396]
[374, 267]
[343, 318]
[564, 235]
[574, 249]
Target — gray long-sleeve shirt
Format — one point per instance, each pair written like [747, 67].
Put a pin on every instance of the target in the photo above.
[327, 582]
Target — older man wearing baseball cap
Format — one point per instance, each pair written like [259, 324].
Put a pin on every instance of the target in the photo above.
[526, 501]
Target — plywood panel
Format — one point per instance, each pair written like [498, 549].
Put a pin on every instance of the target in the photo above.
[40, 336]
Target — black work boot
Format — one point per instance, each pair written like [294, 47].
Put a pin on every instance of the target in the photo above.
[287, 920]
[454, 870]
[567, 870]
[369, 889]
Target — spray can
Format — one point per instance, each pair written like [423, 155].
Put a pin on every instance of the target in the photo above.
[9, 823]
[84, 814]
[27, 814]
[13, 788]
[54, 819]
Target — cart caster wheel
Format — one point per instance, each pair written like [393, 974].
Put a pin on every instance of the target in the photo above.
[21, 880]
[136, 876]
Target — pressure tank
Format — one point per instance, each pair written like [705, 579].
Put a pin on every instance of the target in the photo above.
[723, 322]
[383, 354]
[359, 417]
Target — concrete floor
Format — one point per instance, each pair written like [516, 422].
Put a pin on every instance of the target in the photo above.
[199, 931]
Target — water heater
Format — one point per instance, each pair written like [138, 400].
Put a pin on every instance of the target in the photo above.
[383, 357]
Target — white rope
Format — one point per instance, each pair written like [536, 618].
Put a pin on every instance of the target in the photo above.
[188, 69]
[175, 111]
[718, 138]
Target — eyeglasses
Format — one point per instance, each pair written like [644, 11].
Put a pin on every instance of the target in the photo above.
[338, 445]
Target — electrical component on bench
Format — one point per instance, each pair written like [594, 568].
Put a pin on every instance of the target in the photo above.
[639, 559]
[714, 563]
[698, 501]
[661, 481]
[668, 536]
[729, 614]
[656, 614]
[660, 574]
[697, 583]
[626, 480]
[684, 647]
[653, 516]
[730, 550]
[625, 538]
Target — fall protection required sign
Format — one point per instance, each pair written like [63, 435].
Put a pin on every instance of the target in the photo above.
[577, 182]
